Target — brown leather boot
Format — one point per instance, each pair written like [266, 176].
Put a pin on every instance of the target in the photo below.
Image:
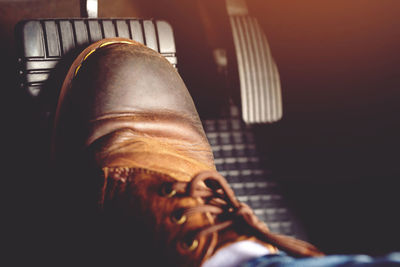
[127, 110]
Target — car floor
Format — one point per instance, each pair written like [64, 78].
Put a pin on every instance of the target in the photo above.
[336, 151]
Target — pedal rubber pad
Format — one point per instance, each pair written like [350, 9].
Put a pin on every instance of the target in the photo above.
[44, 42]
[260, 86]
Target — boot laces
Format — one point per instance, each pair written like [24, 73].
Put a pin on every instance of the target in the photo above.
[220, 202]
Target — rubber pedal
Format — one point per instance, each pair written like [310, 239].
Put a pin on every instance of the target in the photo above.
[44, 42]
[260, 86]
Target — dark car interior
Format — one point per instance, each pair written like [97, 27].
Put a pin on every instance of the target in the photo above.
[299, 100]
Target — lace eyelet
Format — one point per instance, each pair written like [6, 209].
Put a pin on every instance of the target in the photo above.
[190, 246]
[167, 191]
[178, 218]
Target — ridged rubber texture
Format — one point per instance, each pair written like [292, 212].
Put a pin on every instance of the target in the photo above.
[259, 78]
[44, 42]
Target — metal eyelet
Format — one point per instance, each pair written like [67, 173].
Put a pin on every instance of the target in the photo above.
[190, 246]
[167, 191]
[178, 217]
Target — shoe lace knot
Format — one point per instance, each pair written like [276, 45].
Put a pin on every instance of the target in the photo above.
[219, 201]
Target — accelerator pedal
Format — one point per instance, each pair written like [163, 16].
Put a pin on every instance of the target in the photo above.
[260, 86]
